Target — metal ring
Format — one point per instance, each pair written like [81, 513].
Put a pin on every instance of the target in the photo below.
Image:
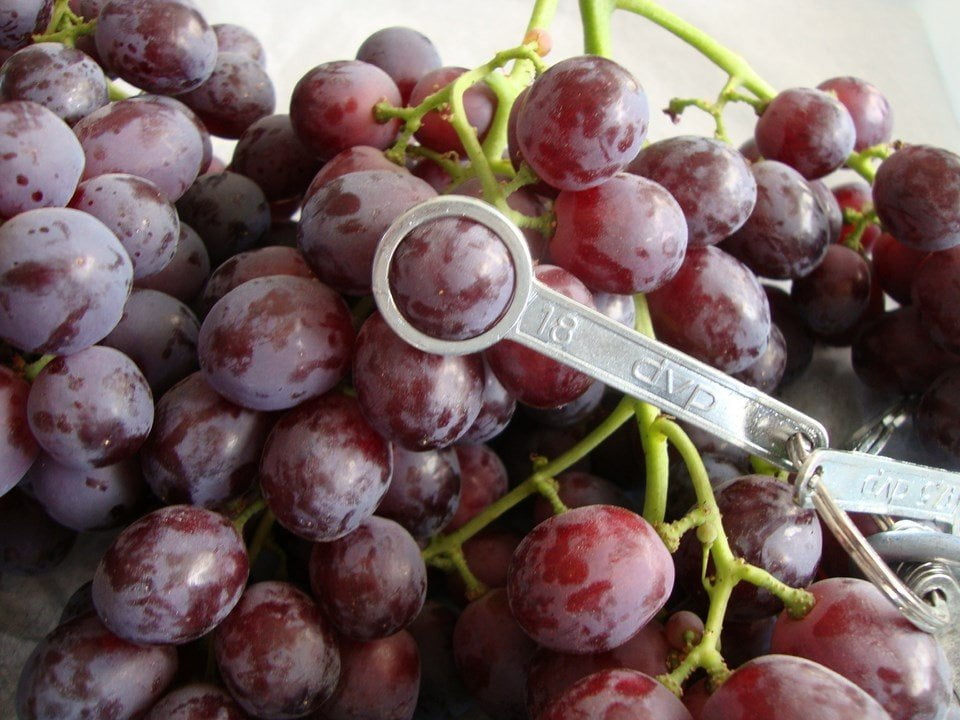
[896, 546]
[452, 206]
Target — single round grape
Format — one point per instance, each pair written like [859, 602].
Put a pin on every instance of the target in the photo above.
[324, 469]
[81, 669]
[833, 296]
[496, 410]
[354, 159]
[18, 447]
[403, 53]
[276, 341]
[483, 479]
[587, 580]
[424, 490]
[807, 129]
[895, 265]
[788, 232]
[172, 576]
[935, 292]
[798, 338]
[197, 701]
[184, 276]
[627, 235]
[616, 691]
[857, 632]
[238, 39]
[40, 159]
[684, 629]
[21, 19]
[831, 208]
[768, 371]
[436, 132]
[270, 153]
[160, 46]
[715, 309]
[31, 542]
[577, 489]
[332, 107]
[868, 107]
[488, 555]
[582, 122]
[277, 653]
[710, 180]
[416, 399]
[433, 632]
[916, 193]
[938, 416]
[60, 78]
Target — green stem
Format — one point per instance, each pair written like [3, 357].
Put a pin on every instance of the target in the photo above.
[260, 535]
[241, 520]
[595, 17]
[31, 371]
[542, 15]
[114, 92]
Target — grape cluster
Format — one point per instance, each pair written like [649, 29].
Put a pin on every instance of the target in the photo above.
[193, 360]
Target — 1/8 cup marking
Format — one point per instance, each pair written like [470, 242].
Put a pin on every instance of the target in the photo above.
[561, 330]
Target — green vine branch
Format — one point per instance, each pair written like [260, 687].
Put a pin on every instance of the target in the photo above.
[65, 26]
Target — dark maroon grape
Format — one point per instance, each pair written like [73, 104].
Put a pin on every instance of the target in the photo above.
[767, 372]
[324, 469]
[81, 670]
[21, 19]
[572, 413]
[199, 701]
[831, 208]
[917, 196]
[31, 542]
[90, 409]
[372, 581]
[172, 576]
[184, 276]
[799, 341]
[354, 159]
[238, 39]
[203, 449]
[895, 265]
[161, 46]
[938, 416]
[276, 341]
[403, 53]
[491, 652]
[710, 180]
[833, 296]
[332, 107]
[868, 107]
[436, 132]
[269, 153]
[616, 691]
[343, 221]
[418, 400]
[587, 580]
[788, 232]
[488, 555]
[743, 641]
[234, 96]
[855, 631]
[789, 688]
[582, 122]
[683, 630]
[60, 78]
[577, 489]
[935, 292]
[277, 653]
[18, 448]
[424, 490]
[627, 235]
[433, 632]
[807, 129]
[483, 479]
[496, 410]
[714, 309]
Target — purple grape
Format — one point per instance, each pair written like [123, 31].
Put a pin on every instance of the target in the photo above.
[135, 210]
[582, 122]
[602, 694]
[161, 46]
[21, 19]
[935, 292]
[436, 132]
[31, 542]
[169, 147]
[270, 153]
[198, 701]
[324, 469]
[524, 201]
[807, 129]
[433, 632]
[354, 159]
[370, 582]
[276, 341]
[767, 372]
[277, 653]
[343, 221]
[496, 410]
[184, 276]
[799, 340]
[868, 107]
[587, 580]
[235, 95]
[172, 576]
[332, 107]
[833, 296]
[831, 208]
[206, 141]
[18, 448]
[577, 489]
[88, 500]
[788, 232]
[238, 39]
[60, 78]
[572, 413]
[627, 235]
[894, 265]
[81, 670]
[403, 53]
[710, 180]
[938, 417]
[40, 158]
[418, 400]
[483, 479]
[424, 490]
[488, 555]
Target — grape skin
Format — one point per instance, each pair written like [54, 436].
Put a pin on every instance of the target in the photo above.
[438, 134]
[616, 691]
[270, 153]
[238, 39]
[483, 479]
[935, 292]
[403, 53]
[424, 490]
[868, 107]
[938, 417]
[198, 701]
[833, 296]
[20, 19]
[18, 448]
[185, 274]
[31, 542]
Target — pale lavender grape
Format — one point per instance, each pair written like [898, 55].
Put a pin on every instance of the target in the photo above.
[354, 159]
[197, 701]
[633, 693]
[588, 579]
[276, 341]
[424, 490]
[403, 53]
[31, 542]
[169, 147]
[276, 652]
[343, 221]
[710, 180]
[370, 582]
[161, 46]
[40, 159]
[270, 153]
[416, 399]
[18, 448]
[452, 278]
[159, 333]
[497, 407]
[868, 107]
[90, 409]
[206, 158]
[60, 78]
[64, 278]
[238, 39]
[203, 449]
[235, 95]
[185, 275]
[88, 500]
[171, 576]
[21, 19]
[229, 211]
[135, 210]
[582, 122]
[768, 370]
[324, 469]
[82, 670]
